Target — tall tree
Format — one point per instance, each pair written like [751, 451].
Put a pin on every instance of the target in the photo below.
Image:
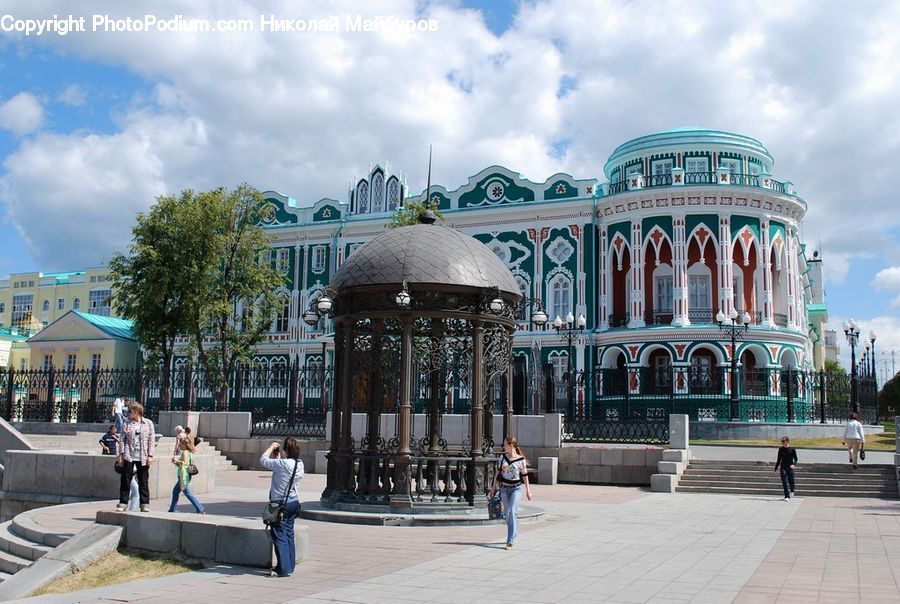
[834, 367]
[235, 285]
[152, 282]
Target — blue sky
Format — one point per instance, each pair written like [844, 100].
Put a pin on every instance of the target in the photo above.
[94, 125]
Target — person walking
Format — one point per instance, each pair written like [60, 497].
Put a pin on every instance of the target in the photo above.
[287, 472]
[137, 445]
[119, 412]
[854, 439]
[109, 442]
[183, 482]
[512, 474]
[787, 463]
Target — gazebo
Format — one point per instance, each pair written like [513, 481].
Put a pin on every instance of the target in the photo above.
[415, 308]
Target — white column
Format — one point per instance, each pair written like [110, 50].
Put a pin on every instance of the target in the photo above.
[679, 269]
[637, 276]
[792, 293]
[603, 272]
[726, 283]
[765, 266]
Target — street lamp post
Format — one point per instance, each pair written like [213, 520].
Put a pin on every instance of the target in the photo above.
[872, 336]
[569, 330]
[735, 328]
[851, 330]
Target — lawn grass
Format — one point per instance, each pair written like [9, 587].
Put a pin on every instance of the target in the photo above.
[116, 568]
[874, 442]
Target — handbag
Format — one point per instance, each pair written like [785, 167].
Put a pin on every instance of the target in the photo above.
[273, 513]
[119, 467]
[862, 452]
[495, 507]
[192, 470]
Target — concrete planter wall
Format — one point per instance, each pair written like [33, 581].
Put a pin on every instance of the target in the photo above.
[742, 430]
[208, 424]
[608, 465]
[245, 452]
[39, 478]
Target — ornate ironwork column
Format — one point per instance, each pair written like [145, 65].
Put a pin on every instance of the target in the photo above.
[475, 483]
[400, 495]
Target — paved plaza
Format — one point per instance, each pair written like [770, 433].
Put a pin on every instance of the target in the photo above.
[597, 544]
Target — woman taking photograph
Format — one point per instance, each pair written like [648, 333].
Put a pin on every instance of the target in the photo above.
[287, 472]
[135, 454]
[512, 473]
[183, 458]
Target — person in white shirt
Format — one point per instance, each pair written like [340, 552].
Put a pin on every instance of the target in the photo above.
[854, 439]
[119, 412]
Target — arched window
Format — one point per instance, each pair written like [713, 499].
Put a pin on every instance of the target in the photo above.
[699, 292]
[45, 306]
[523, 289]
[2, 307]
[378, 193]
[393, 194]
[362, 198]
[560, 297]
[76, 304]
[663, 298]
[282, 319]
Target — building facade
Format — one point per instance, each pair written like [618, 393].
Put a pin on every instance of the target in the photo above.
[684, 225]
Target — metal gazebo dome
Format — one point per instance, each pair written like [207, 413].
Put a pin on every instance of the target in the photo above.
[425, 254]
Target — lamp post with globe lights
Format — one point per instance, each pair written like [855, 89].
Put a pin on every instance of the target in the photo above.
[734, 326]
[569, 329]
[851, 330]
[872, 337]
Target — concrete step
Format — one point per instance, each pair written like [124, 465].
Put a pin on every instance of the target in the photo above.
[19, 546]
[11, 563]
[28, 530]
[744, 490]
[741, 475]
[807, 484]
[771, 464]
[4, 576]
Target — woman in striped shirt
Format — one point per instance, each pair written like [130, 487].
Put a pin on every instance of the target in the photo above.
[512, 473]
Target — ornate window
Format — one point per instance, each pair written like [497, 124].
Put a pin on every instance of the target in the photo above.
[560, 296]
[663, 299]
[362, 198]
[98, 302]
[22, 306]
[696, 164]
[634, 169]
[45, 306]
[282, 319]
[733, 165]
[662, 166]
[393, 194]
[560, 250]
[319, 257]
[283, 262]
[378, 193]
[698, 292]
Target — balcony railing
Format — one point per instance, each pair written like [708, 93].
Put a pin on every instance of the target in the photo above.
[701, 315]
[639, 181]
[780, 320]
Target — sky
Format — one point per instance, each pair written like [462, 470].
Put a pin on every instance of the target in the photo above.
[95, 124]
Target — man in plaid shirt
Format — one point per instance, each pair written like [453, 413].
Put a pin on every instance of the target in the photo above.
[137, 444]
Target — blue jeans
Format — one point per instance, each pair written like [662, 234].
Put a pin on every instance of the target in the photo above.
[283, 539]
[510, 497]
[787, 480]
[187, 493]
[119, 421]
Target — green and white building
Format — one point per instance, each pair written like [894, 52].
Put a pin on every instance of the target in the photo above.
[681, 226]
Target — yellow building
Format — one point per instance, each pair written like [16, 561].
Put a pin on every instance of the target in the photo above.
[80, 340]
[32, 301]
[14, 351]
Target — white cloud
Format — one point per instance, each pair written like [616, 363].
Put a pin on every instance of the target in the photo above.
[72, 95]
[305, 113]
[888, 278]
[21, 114]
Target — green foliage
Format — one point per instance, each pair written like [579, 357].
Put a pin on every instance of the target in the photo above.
[409, 213]
[889, 397]
[194, 260]
[834, 367]
[153, 281]
[235, 284]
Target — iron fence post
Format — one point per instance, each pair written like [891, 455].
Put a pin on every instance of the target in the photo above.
[626, 410]
[823, 392]
[93, 395]
[51, 399]
[239, 388]
[293, 387]
[10, 392]
[188, 388]
[672, 385]
[790, 397]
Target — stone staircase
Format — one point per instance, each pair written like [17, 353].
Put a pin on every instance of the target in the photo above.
[812, 480]
[22, 542]
[88, 441]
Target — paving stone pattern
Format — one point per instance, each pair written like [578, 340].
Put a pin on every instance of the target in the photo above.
[600, 544]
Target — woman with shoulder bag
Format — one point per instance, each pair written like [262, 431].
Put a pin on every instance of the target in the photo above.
[184, 461]
[135, 455]
[284, 501]
[512, 474]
